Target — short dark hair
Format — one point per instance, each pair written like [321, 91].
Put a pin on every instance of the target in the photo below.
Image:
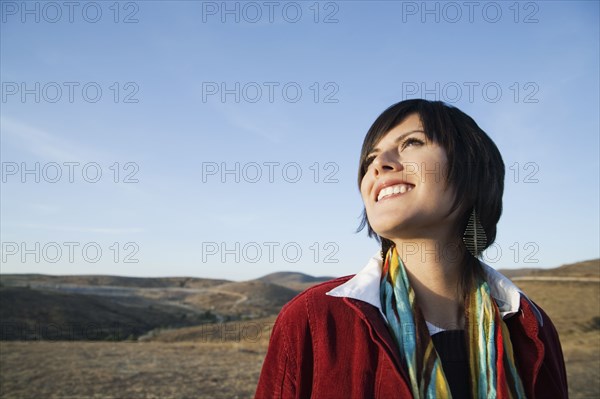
[475, 166]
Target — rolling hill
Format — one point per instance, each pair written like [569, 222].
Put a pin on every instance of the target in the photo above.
[293, 280]
[32, 314]
[38, 306]
[44, 307]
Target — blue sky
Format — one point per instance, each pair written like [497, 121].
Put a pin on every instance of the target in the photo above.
[172, 94]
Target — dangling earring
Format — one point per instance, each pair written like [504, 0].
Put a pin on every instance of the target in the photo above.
[474, 236]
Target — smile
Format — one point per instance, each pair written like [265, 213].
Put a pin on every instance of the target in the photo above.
[396, 189]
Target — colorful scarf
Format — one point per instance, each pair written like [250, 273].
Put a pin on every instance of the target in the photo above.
[491, 360]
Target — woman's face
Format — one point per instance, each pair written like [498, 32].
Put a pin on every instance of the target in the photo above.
[404, 188]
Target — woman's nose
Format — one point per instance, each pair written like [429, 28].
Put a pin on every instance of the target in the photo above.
[386, 162]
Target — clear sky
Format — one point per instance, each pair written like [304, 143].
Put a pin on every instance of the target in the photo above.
[221, 139]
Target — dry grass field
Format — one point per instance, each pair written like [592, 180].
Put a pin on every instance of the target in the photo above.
[129, 370]
[211, 362]
[574, 307]
[224, 360]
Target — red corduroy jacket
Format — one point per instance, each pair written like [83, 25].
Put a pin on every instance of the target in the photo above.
[331, 347]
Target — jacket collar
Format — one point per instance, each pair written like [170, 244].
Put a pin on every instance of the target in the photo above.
[364, 286]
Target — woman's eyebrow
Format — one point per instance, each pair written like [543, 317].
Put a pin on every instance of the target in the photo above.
[398, 139]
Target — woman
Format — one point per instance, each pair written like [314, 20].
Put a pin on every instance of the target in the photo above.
[425, 318]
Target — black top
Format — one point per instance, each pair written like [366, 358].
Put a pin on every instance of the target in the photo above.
[452, 350]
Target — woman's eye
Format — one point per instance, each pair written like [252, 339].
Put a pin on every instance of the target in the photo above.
[413, 140]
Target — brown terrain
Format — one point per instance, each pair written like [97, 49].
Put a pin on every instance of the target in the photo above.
[118, 337]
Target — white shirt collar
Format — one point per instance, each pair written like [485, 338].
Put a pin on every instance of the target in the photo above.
[364, 286]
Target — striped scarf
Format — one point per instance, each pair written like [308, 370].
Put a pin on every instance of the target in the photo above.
[490, 354]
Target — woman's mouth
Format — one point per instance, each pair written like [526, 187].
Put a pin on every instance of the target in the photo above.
[394, 190]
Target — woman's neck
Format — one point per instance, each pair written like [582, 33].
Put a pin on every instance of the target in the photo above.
[435, 272]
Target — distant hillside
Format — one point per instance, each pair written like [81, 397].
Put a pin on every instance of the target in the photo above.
[248, 299]
[588, 268]
[42, 280]
[293, 280]
[30, 314]
[35, 306]
[32, 302]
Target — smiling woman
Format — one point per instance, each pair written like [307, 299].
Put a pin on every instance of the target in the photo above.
[425, 318]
